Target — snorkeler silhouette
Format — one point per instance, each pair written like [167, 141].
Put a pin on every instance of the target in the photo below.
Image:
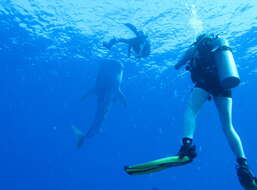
[140, 44]
[107, 90]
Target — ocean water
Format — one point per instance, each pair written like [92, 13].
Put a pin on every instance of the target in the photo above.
[48, 59]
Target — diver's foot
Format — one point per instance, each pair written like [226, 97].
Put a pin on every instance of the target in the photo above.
[245, 175]
[187, 149]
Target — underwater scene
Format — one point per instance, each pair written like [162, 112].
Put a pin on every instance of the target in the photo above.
[128, 95]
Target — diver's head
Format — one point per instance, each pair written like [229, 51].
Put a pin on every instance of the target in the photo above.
[201, 37]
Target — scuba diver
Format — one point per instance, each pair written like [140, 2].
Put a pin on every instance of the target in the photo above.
[139, 44]
[214, 73]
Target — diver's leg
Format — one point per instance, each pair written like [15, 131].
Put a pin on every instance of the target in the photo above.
[197, 98]
[114, 40]
[224, 107]
[129, 42]
[245, 175]
[109, 44]
[123, 40]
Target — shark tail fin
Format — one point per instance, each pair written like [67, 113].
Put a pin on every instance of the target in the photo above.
[80, 135]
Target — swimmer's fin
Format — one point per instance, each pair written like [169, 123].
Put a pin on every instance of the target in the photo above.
[157, 165]
[132, 28]
[80, 135]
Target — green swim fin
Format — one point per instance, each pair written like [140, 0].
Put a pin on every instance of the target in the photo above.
[157, 165]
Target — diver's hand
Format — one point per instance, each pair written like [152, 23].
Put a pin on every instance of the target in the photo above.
[187, 57]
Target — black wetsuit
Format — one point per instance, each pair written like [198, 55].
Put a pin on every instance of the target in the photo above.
[139, 44]
[204, 71]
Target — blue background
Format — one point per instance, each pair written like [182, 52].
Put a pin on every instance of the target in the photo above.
[48, 60]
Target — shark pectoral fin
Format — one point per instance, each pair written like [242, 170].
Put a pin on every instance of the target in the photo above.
[121, 97]
[80, 135]
[88, 94]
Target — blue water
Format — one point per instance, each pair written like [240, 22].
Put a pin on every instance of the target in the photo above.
[48, 60]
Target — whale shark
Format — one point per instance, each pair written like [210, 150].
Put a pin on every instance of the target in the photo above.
[107, 91]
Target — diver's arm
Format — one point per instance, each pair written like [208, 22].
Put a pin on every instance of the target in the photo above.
[186, 57]
[123, 40]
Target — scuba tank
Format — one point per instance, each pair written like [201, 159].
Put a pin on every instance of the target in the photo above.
[211, 45]
[226, 66]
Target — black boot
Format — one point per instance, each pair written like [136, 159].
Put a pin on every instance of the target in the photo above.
[187, 149]
[245, 175]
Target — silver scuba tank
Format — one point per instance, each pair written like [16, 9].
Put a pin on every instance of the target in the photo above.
[226, 66]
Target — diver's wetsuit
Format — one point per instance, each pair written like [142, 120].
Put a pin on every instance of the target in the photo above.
[204, 71]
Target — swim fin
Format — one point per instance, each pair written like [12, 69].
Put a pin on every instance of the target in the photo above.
[132, 28]
[157, 165]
